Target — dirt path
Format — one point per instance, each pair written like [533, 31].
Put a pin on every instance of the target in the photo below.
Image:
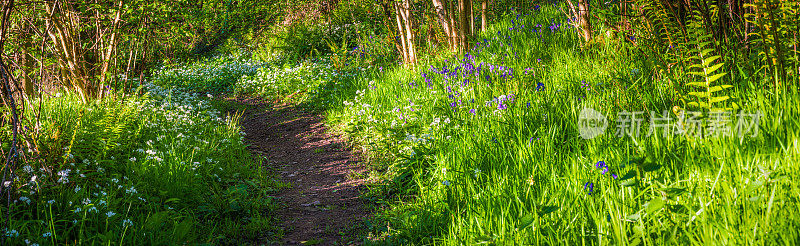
[322, 205]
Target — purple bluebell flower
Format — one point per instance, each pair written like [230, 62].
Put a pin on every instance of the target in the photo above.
[539, 86]
[453, 104]
[589, 186]
[600, 164]
[472, 111]
[501, 105]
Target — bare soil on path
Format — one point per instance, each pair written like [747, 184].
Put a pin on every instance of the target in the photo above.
[322, 205]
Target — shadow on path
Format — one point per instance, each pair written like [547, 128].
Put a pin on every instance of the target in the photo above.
[322, 204]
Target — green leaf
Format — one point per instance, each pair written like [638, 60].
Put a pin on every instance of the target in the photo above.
[699, 94]
[711, 69]
[635, 241]
[526, 221]
[629, 175]
[705, 51]
[710, 60]
[753, 186]
[482, 239]
[654, 205]
[719, 88]
[547, 210]
[698, 84]
[698, 104]
[674, 191]
[715, 77]
[698, 73]
[634, 217]
[629, 183]
[719, 99]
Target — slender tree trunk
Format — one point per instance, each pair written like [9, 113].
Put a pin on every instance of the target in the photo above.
[405, 30]
[409, 28]
[454, 28]
[443, 12]
[465, 32]
[62, 30]
[471, 18]
[483, 15]
[400, 33]
[584, 19]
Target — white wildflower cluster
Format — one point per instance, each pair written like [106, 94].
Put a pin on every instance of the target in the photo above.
[173, 123]
[215, 74]
[307, 76]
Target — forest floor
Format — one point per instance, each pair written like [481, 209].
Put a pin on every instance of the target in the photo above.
[322, 204]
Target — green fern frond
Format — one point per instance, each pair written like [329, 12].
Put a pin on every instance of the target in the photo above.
[707, 68]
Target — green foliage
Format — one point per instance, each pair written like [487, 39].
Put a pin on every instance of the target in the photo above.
[457, 168]
[216, 74]
[159, 169]
[707, 68]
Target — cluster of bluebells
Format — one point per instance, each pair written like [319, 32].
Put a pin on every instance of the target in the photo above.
[603, 167]
[469, 87]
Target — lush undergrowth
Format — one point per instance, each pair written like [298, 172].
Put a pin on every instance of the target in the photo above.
[486, 148]
[166, 167]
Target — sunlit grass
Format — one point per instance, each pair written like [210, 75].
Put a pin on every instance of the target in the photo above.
[162, 168]
[498, 159]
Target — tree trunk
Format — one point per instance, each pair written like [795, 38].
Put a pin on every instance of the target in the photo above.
[443, 12]
[465, 34]
[584, 19]
[405, 30]
[409, 27]
[454, 27]
[483, 15]
[400, 32]
[471, 18]
[63, 28]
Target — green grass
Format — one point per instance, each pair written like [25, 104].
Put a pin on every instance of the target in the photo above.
[517, 175]
[161, 168]
[489, 156]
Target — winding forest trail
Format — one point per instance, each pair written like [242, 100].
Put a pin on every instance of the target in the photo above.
[321, 206]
